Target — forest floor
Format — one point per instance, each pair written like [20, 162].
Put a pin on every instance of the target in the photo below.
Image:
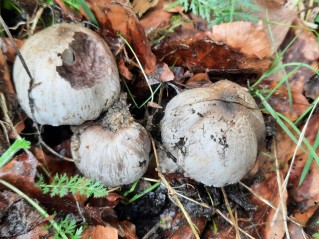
[160, 53]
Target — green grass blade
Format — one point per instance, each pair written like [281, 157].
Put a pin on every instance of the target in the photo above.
[137, 196]
[278, 117]
[88, 12]
[13, 149]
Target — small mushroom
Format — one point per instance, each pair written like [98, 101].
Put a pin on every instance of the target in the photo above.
[75, 76]
[115, 150]
[212, 134]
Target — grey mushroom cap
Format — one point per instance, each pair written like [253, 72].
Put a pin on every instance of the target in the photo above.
[75, 75]
[213, 133]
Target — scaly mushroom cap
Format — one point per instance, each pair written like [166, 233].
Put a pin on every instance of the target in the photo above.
[75, 75]
[213, 133]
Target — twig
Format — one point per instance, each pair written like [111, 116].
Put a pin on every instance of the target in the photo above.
[54, 152]
[235, 224]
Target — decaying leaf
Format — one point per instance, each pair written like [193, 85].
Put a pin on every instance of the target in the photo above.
[100, 232]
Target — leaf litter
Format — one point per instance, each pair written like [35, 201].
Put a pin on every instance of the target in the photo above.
[264, 207]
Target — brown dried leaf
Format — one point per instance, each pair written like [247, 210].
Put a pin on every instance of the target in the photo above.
[100, 232]
[156, 19]
[129, 230]
[199, 80]
[20, 172]
[142, 6]
[248, 38]
[279, 14]
[182, 229]
[117, 17]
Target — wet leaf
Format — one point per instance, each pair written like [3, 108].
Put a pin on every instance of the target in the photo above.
[219, 50]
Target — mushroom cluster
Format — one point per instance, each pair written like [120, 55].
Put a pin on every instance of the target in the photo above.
[212, 134]
[75, 80]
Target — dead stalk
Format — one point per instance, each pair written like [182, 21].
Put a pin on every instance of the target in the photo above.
[281, 192]
[235, 224]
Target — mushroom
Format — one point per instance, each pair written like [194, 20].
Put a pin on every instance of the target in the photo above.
[115, 150]
[75, 76]
[212, 134]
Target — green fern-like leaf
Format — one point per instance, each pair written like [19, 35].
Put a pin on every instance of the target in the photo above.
[62, 185]
[69, 228]
[216, 11]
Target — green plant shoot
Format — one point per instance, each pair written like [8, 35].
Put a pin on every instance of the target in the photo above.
[13, 149]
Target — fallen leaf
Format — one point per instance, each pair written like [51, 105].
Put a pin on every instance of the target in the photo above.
[100, 232]
[156, 19]
[248, 38]
[218, 50]
[117, 17]
[280, 103]
[128, 229]
[142, 6]
[17, 217]
[278, 16]
[198, 80]
[7, 48]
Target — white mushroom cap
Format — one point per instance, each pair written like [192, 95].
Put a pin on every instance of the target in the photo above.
[213, 133]
[75, 75]
[114, 151]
